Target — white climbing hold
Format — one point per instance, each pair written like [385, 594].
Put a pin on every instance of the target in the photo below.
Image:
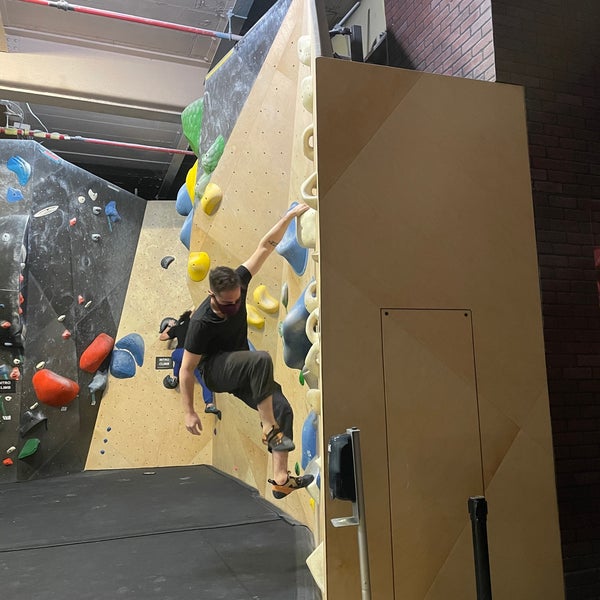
[61, 318]
[11, 450]
[40, 365]
[88, 304]
[304, 49]
[93, 195]
[17, 361]
[310, 296]
[96, 237]
[81, 199]
[312, 326]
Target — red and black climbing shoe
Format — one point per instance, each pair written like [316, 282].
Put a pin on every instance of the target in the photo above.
[293, 483]
[277, 441]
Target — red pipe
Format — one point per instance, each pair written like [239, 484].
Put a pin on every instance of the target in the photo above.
[62, 4]
[77, 138]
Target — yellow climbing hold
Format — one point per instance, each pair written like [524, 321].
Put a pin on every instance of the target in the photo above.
[190, 181]
[211, 199]
[254, 318]
[198, 265]
[265, 301]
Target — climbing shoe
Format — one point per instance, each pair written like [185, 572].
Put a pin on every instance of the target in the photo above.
[213, 410]
[277, 441]
[293, 483]
[170, 382]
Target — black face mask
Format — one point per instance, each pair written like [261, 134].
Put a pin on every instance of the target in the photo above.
[228, 309]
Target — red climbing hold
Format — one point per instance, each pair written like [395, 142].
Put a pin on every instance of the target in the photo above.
[15, 374]
[66, 334]
[5, 325]
[72, 221]
[95, 354]
[7, 462]
[53, 389]
[80, 299]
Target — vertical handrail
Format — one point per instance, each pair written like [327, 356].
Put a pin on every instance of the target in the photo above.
[478, 513]
[358, 518]
[363, 550]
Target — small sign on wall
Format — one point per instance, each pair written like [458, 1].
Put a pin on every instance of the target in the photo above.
[8, 386]
[164, 362]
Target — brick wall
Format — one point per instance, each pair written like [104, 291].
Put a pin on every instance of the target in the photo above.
[449, 37]
[552, 48]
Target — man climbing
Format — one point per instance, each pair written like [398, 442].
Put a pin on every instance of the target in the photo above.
[217, 342]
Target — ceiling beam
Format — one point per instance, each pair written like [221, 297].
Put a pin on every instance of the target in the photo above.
[95, 81]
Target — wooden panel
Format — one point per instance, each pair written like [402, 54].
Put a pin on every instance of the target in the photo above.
[434, 452]
[431, 209]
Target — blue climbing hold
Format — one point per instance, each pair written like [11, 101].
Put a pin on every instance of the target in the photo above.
[293, 334]
[134, 343]
[291, 250]
[185, 235]
[122, 364]
[20, 167]
[13, 195]
[111, 212]
[309, 438]
[183, 204]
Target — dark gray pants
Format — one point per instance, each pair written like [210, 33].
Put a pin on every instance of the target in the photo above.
[249, 376]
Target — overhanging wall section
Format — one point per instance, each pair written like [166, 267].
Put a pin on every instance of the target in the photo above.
[425, 204]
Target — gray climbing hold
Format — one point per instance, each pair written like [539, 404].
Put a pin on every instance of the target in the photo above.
[166, 261]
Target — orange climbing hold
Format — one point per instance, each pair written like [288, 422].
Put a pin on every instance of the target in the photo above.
[53, 389]
[95, 354]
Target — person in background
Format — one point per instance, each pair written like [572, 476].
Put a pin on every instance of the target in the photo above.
[172, 329]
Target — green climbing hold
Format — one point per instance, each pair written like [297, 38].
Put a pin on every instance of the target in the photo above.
[297, 469]
[191, 119]
[210, 159]
[301, 378]
[201, 184]
[30, 447]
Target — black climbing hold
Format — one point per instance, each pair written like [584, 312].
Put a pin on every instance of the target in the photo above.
[166, 261]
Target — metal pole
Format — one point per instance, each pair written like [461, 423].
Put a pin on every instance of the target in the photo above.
[77, 138]
[363, 550]
[63, 5]
[478, 513]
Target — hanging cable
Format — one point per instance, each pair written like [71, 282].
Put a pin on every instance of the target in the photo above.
[66, 6]
[35, 116]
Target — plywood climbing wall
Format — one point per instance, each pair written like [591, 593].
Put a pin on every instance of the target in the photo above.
[140, 422]
[260, 174]
[431, 332]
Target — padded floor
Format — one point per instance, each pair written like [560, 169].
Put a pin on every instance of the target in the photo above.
[170, 533]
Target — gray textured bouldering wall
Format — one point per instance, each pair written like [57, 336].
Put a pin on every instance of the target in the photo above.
[229, 83]
[71, 262]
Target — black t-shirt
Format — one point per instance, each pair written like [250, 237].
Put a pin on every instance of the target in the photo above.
[179, 332]
[208, 333]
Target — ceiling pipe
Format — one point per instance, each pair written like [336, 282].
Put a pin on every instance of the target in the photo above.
[63, 5]
[35, 133]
